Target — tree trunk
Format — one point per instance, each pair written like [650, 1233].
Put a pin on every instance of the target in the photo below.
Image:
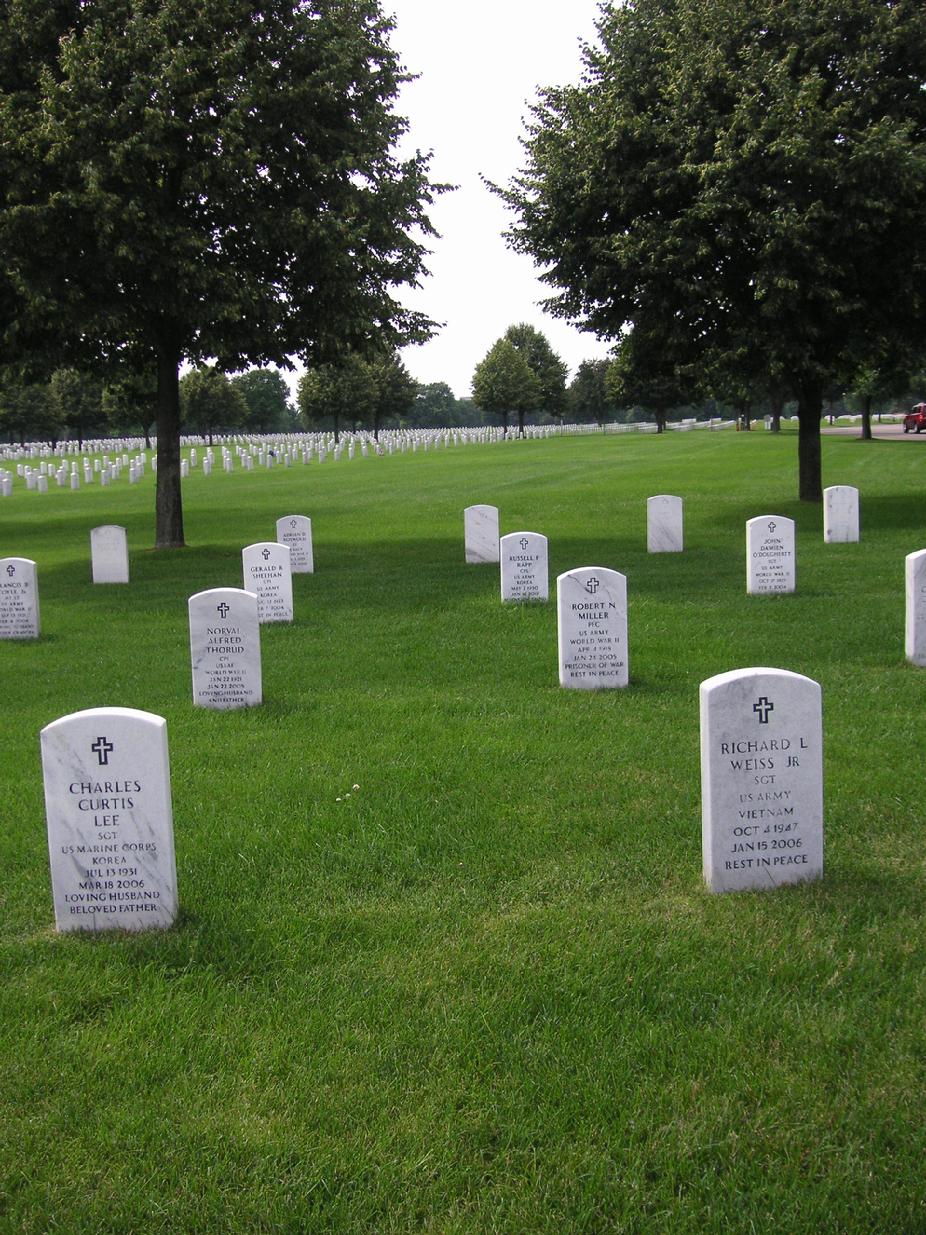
[147, 438]
[168, 503]
[660, 419]
[866, 419]
[809, 455]
[520, 423]
[337, 432]
[776, 407]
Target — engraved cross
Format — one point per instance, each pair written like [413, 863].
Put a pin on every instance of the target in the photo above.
[223, 609]
[101, 748]
[762, 707]
[592, 585]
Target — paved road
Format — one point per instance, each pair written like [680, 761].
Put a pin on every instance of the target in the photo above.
[891, 433]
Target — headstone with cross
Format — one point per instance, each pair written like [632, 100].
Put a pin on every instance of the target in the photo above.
[524, 569]
[480, 533]
[770, 557]
[915, 620]
[761, 779]
[109, 554]
[19, 599]
[110, 824]
[267, 574]
[840, 515]
[225, 649]
[664, 524]
[591, 605]
[296, 531]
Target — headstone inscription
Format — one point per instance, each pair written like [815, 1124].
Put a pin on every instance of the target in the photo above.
[296, 531]
[665, 524]
[109, 554]
[761, 779]
[840, 514]
[225, 649]
[524, 572]
[591, 604]
[19, 599]
[915, 619]
[110, 826]
[267, 574]
[770, 565]
[480, 533]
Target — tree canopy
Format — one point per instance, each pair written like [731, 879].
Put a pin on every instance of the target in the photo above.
[210, 402]
[266, 396]
[186, 182]
[545, 365]
[587, 395]
[503, 382]
[743, 180]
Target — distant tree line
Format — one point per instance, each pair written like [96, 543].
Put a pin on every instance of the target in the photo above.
[73, 406]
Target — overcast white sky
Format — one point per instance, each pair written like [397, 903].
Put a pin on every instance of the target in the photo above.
[479, 65]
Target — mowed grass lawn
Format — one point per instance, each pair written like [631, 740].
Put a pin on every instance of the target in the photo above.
[486, 991]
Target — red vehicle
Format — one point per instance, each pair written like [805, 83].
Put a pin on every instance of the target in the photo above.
[915, 420]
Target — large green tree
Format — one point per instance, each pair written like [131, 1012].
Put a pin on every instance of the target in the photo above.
[587, 395]
[545, 365]
[78, 399]
[211, 180]
[28, 411]
[209, 402]
[745, 175]
[394, 390]
[339, 391]
[266, 395]
[504, 382]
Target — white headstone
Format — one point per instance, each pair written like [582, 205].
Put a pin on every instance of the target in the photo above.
[110, 828]
[268, 575]
[664, 524]
[480, 533]
[19, 599]
[761, 779]
[770, 565]
[296, 531]
[591, 603]
[524, 571]
[225, 649]
[840, 514]
[109, 552]
[915, 623]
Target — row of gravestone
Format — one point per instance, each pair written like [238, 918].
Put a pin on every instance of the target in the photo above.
[268, 567]
[109, 813]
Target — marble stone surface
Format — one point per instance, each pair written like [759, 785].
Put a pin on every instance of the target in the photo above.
[480, 533]
[19, 598]
[296, 531]
[225, 649]
[770, 556]
[109, 554]
[840, 514]
[665, 524]
[524, 570]
[591, 605]
[110, 825]
[915, 620]
[761, 779]
[267, 574]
